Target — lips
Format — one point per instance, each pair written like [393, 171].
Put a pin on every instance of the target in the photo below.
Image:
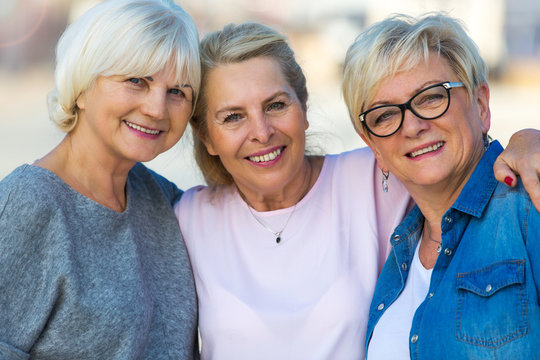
[142, 129]
[266, 157]
[426, 150]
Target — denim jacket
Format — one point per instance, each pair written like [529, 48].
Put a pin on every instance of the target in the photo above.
[484, 294]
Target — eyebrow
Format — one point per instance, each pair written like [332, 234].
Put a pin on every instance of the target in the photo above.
[149, 78]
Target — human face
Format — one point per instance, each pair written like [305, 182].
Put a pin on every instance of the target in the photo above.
[133, 119]
[256, 125]
[442, 151]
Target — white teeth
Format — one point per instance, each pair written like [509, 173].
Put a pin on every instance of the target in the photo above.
[141, 129]
[427, 149]
[266, 157]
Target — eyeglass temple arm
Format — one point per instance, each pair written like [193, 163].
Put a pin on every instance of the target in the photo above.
[450, 85]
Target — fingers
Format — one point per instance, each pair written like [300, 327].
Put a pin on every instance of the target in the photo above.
[503, 173]
[522, 157]
[531, 182]
[529, 172]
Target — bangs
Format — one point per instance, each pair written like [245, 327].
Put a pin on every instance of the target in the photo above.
[147, 46]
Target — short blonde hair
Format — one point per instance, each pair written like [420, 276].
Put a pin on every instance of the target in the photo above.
[234, 44]
[122, 37]
[398, 44]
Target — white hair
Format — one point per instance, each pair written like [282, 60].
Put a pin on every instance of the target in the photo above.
[122, 37]
[398, 44]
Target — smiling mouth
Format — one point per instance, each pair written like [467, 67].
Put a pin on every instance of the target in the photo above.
[141, 129]
[266, 157]
[426, 150]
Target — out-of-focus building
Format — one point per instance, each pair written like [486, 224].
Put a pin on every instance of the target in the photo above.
[523, 28]
[503, 29]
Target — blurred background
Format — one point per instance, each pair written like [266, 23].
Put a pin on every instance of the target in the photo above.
[506, 31]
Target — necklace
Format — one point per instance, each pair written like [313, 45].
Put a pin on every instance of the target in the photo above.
[277, 234]
[439, 243]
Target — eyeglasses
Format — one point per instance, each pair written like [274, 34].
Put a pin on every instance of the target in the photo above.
[428, 104]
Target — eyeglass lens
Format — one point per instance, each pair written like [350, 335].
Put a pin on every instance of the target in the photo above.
[428, 104]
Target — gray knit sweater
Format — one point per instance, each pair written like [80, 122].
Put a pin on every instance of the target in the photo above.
[80, 281]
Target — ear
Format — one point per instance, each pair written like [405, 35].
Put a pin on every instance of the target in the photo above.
[81, 101]
[210, 148]
[482, 100]
[369, 142]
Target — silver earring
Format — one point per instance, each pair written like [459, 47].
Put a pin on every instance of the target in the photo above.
[385, 175]
[487, 141]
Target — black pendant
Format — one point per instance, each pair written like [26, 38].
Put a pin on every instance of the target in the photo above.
[278, 239]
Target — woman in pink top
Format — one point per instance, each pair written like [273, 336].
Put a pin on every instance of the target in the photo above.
[285, 247]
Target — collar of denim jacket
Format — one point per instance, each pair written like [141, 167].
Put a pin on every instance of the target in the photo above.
[476, 193]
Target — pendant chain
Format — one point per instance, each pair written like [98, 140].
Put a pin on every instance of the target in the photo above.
[439, 243]
[278, 233]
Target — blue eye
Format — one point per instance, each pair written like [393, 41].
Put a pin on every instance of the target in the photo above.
[232, 118]
[176, 91]
[136, 81]
[278, 105]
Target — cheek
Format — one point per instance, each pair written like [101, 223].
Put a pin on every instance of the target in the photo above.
[222, 143]
[180, 116]
[296, 128]
[384, 152]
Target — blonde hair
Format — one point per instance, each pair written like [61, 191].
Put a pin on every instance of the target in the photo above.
[122, 37]
[398, 44]
[234, 44]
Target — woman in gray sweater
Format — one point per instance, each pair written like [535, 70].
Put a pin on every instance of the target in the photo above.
[92, 263]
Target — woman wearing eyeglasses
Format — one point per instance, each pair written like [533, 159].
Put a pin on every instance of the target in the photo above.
[285, 247]
[463, 277]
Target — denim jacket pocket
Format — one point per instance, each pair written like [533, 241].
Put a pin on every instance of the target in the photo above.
[491, 306]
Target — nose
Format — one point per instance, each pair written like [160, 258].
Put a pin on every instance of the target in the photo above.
[154, 105]
[413, 125]
[261, 128]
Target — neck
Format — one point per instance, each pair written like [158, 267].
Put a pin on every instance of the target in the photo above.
[89, 173]
[286, 196]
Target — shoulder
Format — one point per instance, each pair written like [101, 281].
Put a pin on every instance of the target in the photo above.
[30, 200]
[352, 169]
[205, 198]
[27, 190]
[360, 156]
[513, 205]
[516, 195]
[204, 203]
[147, 180]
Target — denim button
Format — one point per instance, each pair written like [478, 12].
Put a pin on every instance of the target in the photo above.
[448, 219]
[488, 288]
[448, 251]
[397, 237]
[380, 307]
[414, 338]
[430, 295]
[404, 266]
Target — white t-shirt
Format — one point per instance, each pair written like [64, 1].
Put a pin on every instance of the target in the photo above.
[308, 296]
[390, 339]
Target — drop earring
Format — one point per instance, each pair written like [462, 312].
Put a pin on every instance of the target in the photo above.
[487, 141]
[385, 175]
